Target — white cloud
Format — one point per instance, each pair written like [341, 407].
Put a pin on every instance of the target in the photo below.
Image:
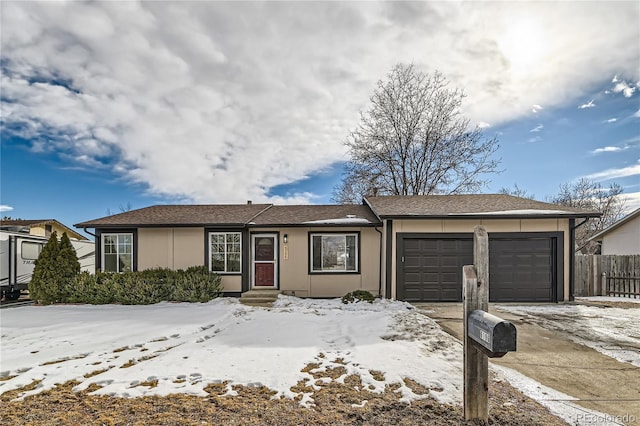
[534, 139]
[5, 208]
[616, 173]
[589, 104]
[483, 125]
[624, 88]
[222, 101]
[612, 120]
[538, 128]
[632, 201]
[637, 114]
[615, 79]
[607, 149]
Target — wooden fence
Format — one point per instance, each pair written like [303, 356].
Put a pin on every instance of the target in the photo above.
[621, 272]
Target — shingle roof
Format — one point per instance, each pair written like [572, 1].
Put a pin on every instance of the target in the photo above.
[347, 214]
[491, 205]
[23, 222]
[485, 205]
[180, 215]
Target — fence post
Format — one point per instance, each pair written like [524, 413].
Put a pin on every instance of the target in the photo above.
[476, 296]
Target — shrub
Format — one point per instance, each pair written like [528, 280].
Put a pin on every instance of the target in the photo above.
[357, 296]
[67, 265]
[55, 270]
[196, 284]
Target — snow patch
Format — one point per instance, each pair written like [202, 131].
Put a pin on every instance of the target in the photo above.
[341, 220]
[614, 332]
[183, 347]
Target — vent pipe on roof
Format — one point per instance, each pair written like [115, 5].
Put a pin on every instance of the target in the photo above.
[249, 202]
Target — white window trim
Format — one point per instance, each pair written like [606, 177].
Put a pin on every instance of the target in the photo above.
[110, 234]
[356, 235]
[226, 253]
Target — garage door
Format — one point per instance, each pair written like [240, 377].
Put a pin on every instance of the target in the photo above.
[520, 269]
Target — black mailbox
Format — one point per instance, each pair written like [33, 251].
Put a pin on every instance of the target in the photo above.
[491, 334]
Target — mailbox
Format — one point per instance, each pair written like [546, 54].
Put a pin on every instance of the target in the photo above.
[491, 334]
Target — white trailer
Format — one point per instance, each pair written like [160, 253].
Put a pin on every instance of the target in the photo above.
[18, 253]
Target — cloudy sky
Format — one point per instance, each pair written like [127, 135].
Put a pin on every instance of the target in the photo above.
[106, 104]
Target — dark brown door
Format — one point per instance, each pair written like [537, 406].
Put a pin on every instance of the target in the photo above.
[264, 260]
[520, 269]
[431, 269]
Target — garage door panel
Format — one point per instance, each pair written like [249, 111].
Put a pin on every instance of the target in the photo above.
[412, 261]
[520, 269]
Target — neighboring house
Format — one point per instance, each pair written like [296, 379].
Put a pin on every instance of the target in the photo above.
[39, 227]
[410, 248]
[622, 238]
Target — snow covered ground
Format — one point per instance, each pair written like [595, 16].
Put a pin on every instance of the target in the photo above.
[186, 346]
[614, 332]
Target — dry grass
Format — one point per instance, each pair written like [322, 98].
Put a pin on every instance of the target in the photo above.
[335, 404]
[95, 373]
[58, 361]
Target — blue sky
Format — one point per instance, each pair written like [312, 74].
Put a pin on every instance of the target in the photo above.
[109, 104]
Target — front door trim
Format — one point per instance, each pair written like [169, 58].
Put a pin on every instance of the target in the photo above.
[254, 238]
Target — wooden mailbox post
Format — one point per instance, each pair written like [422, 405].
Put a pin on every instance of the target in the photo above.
[484, 334]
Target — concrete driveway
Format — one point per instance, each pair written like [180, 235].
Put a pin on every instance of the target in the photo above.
[597, 381]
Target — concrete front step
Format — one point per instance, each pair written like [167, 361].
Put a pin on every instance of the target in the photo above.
[259, 297]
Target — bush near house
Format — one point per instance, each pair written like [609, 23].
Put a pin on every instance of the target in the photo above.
[357, 296]
[56, 266]
[195, 284]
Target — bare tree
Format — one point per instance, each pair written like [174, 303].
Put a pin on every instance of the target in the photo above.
[123, 208]
[516, 191]
[413, 140]
[590, 195]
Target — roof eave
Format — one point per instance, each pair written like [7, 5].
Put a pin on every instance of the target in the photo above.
[495, 216]
[156, 225]
[616, 225]
[315, 225]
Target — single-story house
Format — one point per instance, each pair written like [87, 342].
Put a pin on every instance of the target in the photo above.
[622, 237]
[403, 247]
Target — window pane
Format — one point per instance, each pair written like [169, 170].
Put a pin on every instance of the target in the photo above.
[217, 262]
[109, 244]
[117, 250]
[334, 253]
[265, 249]
[233, 262]
[125, 263]
[225, 251]
[110, 263]
[124, 248]
[351, 253]
[30, 251]
[317, 252]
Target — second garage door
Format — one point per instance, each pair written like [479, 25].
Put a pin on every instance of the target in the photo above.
[521, 268]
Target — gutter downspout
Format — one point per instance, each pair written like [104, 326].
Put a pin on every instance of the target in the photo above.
[572, 255]
[90, 233]
[380, 264]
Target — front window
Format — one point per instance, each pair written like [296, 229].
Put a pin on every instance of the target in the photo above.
[334, 252]
[225, 251]
[30, 251]
[117, 252]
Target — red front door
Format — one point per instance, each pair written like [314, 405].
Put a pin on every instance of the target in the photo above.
[264, 260]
